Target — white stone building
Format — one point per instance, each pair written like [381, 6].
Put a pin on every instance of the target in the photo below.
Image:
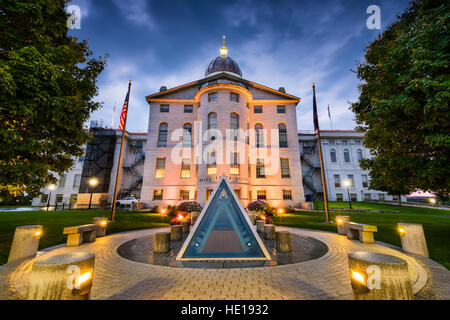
[222, 124]
[342, 150]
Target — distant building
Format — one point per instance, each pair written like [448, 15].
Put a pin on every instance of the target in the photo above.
[342, 150]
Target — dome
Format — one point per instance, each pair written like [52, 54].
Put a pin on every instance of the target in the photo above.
[223, 64]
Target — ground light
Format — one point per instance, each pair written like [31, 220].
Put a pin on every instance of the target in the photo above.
[83, 278]
[358, 277]
[402, 231]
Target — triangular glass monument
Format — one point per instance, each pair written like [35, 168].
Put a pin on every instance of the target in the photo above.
[223, 231]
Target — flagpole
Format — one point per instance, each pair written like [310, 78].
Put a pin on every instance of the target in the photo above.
[321, 165]
[113, 211]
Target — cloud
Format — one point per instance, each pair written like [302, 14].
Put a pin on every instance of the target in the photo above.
[137, 12]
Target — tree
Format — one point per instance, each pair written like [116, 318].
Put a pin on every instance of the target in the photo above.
[47, 81]
[403, 106]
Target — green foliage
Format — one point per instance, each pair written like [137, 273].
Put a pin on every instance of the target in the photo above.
[403, 106]
[47, 81]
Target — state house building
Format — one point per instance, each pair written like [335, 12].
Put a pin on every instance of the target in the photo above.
[222, 123]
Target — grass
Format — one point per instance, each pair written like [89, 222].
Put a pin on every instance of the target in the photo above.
[54, 222]
[436, 224]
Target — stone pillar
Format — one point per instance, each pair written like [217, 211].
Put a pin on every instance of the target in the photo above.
[252, 217]
[283, 241]
[25, 242]
[176, 232]
[260, 226]
[101, 223]
[161, 242]
[341, 222]
[185, 225]
[269, 232]
[194, 217]
[62, 277]
[376, 276]
[413, 238]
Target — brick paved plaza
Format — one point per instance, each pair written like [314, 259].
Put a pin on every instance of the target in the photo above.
[324, 278]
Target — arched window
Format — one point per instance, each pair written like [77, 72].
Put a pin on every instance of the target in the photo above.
[162, 135]
[282, 134]
[360, 154]
[259, 138]
[187, 134]
[234, 125]
[212, 125]
[346, 155]
[333, 155]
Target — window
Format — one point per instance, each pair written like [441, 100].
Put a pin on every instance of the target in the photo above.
[234, 97]
[160, 168]
[345, 142]
[260, 172]
[209, 193]
[81, 159]
[44, 198]
[381, 196]
[185, 168]
[337, 181]
[212, 96]
[333, 155]
[259, 138]
[360, 154]
[395, 198]
[59, 198]
[234, 125]
[62, 181]
[249, 170]
[261, 195]
[365, 182]
[187, 135]
[353, 197]
[234, 167]
[211, 165]
[164, 108]
[339, 197]
[287, 195]
[257, 109]
[158, 194]
[188, 108]
[162, 135]
[346, 155]
[358, 142]
[281, 109]
[184, 194]
[73, 198]
[367, 196]
[76, 181]
[332, 142]
[212, 125]
[238, 193]
[285, 171]
[352, 180]
[282, 135]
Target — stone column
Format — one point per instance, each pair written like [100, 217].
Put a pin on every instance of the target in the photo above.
[260, 226]
[376, 276]
[175, 232]
[269, 232]
[101, 223]
[185, 225]
[341, 222]
[413, 238]
[62, 277]
[283, 241]
[25, 242]
[161, 242]
[194, 217]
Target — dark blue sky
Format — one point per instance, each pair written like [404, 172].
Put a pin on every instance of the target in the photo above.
[276, 43]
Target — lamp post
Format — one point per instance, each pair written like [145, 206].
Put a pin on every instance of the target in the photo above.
[347, 183]
[92, 183]
[51, 188]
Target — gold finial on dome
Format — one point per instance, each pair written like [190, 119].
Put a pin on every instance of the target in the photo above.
[223, 49]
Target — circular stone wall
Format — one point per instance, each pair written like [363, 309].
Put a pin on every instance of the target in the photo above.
[303, 249]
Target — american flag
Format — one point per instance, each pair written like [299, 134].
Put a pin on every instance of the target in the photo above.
[124, 113]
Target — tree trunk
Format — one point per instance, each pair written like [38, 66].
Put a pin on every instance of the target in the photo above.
[399, 200]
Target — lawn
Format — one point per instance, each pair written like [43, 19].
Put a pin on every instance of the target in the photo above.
[436, 224]
[53, 223]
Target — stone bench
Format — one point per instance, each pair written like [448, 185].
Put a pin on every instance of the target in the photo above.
[363, 232]
[387, 211]
[79, 234]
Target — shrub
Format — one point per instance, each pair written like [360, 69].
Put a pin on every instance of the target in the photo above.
[189, 206]
[261, 207]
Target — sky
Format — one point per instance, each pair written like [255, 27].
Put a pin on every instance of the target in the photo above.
[280, 43]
